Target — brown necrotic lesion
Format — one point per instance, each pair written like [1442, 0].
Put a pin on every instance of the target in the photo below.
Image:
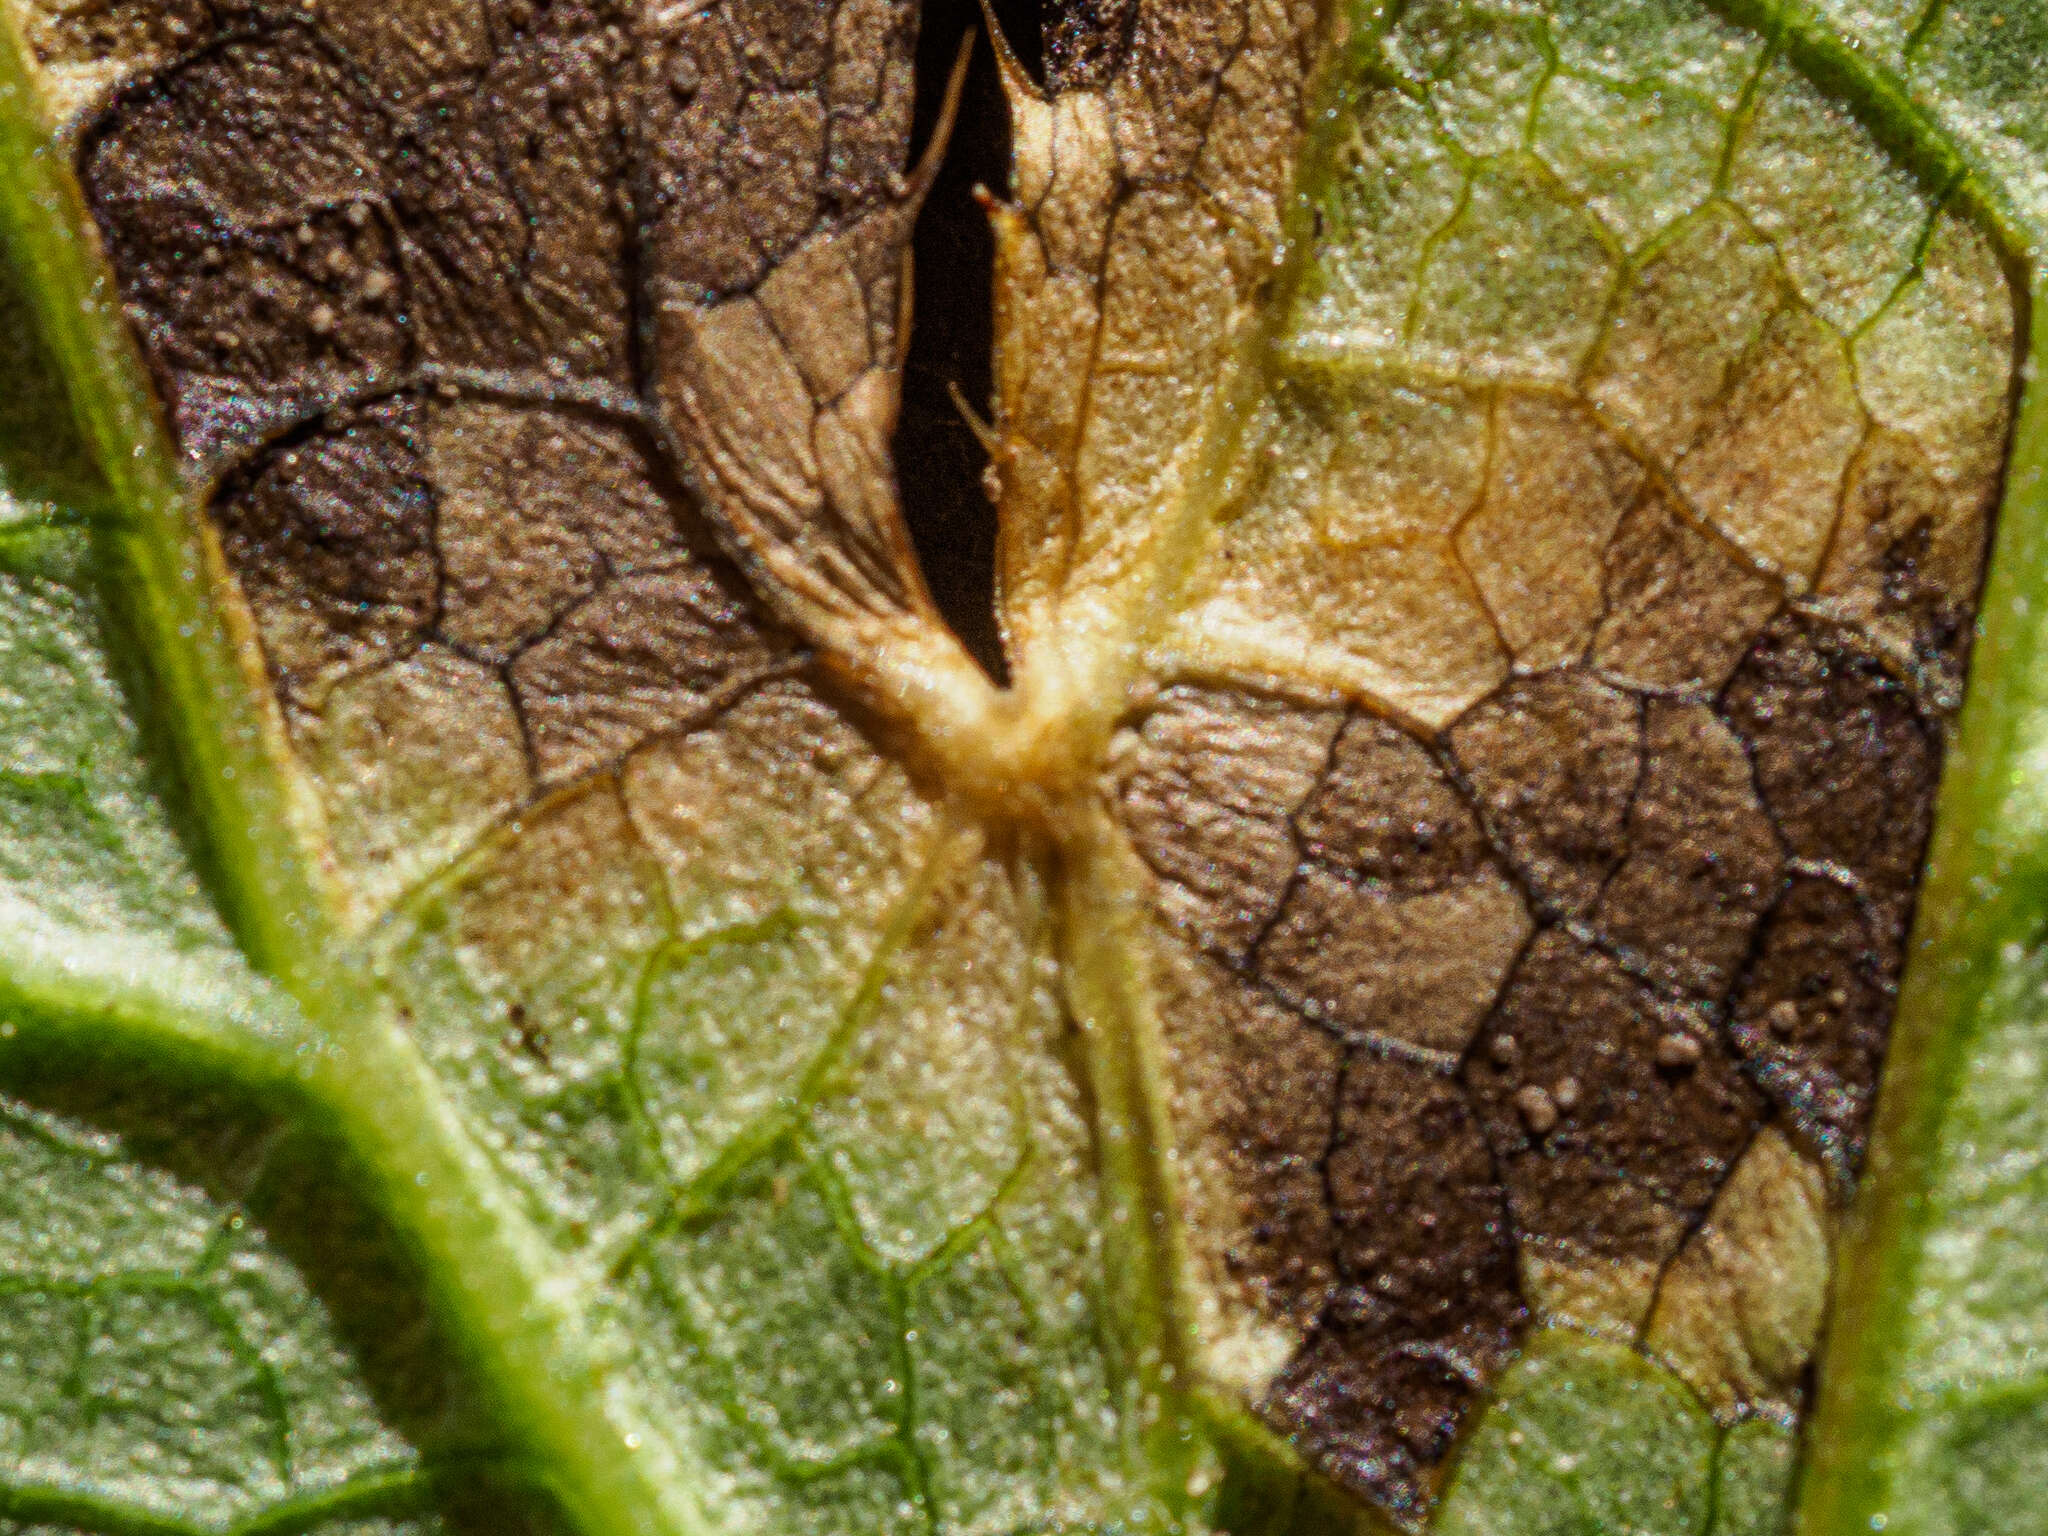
[1471, 1029]
[1564, 685]
[500, 336]
[1555, 993]
[466, 604]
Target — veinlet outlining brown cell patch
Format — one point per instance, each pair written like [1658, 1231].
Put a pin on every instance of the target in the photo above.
[1531, 707]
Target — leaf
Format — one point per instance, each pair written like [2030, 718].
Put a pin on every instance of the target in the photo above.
[544, 985]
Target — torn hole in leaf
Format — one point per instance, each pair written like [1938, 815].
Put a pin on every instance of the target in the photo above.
[939, 459]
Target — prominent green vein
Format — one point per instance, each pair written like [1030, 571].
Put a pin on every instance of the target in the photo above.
[380, 1492]
[63, 982]
[1102, 921]
[153, 553]
[1883, 104]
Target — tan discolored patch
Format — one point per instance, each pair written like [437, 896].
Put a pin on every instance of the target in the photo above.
[1576, 1289]
[1739, 1314]
[783, 805]
[1935, 365]
[86, 48]
[413, 762]
[1558, 488]
[1148, 194]
[1208, 785]
[1703, 860]
[537, 550]
[1681, 606]
[1555, 761]
[1768, 465]
[1420, 969]
[1698, 305]
[533, 510]
[1338, 565]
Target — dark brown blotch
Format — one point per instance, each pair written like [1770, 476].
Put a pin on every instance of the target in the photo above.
[331, 538]
[1636, 1151]
[513, 230]
[226, 191]
[1846, 763]
[1813, 1014]
[1167, 82]
[1387, 812]
[1428, 1306]
[1554, 760]
[1703, 860]
[1262, 1082]
[1376, 964]
[1422, 1221]
[1085, 42]
[253, 134]
[1908, 557]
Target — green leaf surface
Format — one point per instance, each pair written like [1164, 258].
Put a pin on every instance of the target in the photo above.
[1582, 1437]
[400, 1134]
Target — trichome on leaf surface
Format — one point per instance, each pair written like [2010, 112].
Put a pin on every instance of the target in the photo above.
[545, 988]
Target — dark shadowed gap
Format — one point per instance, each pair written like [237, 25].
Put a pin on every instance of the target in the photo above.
[938, 459]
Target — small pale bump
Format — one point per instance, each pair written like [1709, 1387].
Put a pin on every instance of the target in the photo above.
[1679, 1052]
[1538, 1108]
